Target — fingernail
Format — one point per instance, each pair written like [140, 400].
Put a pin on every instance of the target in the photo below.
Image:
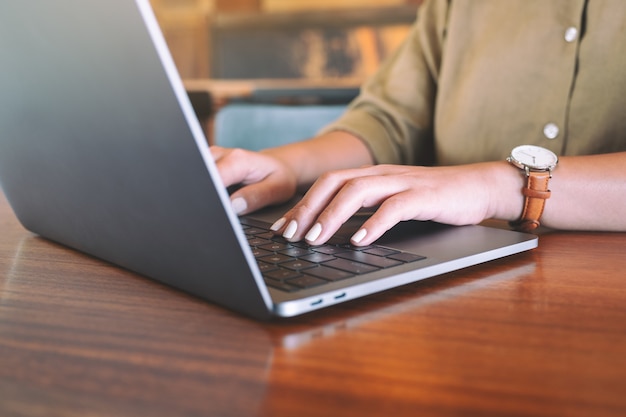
[239, 205]
[358, 236]
[278, 224]
[291, 229]
[314, 233]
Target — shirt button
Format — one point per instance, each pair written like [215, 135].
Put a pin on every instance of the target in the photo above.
[551, 131]
[571, 33]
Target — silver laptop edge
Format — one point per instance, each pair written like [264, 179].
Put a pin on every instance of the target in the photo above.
[177, 84]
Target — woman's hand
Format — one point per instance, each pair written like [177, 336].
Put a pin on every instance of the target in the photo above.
[272, 176]
[453, 195]
[265, 180]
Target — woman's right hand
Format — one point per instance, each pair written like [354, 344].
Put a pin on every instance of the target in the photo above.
[264, 179]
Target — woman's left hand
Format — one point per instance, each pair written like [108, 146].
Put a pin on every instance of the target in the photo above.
[454, 195]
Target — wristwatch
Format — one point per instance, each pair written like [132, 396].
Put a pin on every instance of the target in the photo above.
[537, 164]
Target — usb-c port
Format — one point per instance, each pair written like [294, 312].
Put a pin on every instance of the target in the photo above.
[340, 296]
[317, 302]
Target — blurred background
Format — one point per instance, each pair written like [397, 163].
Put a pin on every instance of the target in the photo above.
[282, 39]
[263, 73]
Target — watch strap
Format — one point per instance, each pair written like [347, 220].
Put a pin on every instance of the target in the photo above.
[535, 195]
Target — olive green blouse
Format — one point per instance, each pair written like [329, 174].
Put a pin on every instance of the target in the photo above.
[476, 78]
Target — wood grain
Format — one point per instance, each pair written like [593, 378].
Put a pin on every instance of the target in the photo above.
[537, 334]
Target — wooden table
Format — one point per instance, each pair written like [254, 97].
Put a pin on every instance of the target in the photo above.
[537, 334]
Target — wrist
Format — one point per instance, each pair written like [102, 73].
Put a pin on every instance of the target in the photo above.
[505, 198]
[330, 151]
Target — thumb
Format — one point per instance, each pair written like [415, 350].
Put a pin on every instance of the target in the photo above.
[261, 194]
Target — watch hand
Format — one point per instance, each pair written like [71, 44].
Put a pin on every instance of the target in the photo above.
[532, 156]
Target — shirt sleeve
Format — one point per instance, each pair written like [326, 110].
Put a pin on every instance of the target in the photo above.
[393, 114]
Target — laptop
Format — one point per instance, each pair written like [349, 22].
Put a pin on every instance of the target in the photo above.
[100, 150]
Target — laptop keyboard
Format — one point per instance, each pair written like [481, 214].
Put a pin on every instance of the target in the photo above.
[291, 266]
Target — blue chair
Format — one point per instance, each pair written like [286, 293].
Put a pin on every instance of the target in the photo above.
[259, 126]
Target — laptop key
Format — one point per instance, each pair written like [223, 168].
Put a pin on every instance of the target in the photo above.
[275, 246]
[275, 258]
[266, 235]
[317, 257]
[406, 257]
[306, 281]
[380, 251]
[329, 249]
[266, 267]
[329, 274]
[257, 241]
[369, 259]
[298, 264]
[295, 252]
[281, 285]
[253, 230]
[259, 253]
[351, 266]
[281, 274]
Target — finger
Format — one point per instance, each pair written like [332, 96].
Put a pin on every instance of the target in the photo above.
[300, 222]
[326, 187]
[398, 207]
[232, 165]
[271, 190]
[217, 151]
[297, 221]
[263, 180]
[355, 194]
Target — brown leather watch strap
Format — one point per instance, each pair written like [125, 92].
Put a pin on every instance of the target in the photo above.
[535, 195]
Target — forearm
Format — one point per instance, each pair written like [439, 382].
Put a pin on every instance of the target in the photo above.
[587, 193]
[331, 151]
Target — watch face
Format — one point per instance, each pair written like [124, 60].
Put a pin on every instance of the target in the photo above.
[535, 157]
